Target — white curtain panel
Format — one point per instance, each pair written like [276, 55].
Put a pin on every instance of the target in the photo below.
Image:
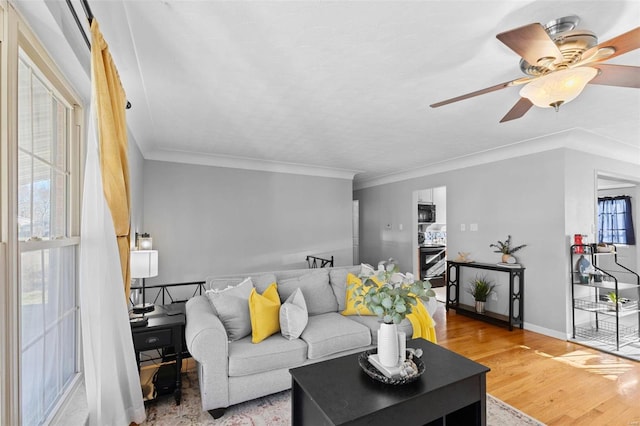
[113, 387]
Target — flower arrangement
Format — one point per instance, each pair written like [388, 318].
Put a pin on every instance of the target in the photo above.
[389, 294]
[505, 247]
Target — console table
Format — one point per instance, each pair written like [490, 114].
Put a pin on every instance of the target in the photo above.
[516, 293]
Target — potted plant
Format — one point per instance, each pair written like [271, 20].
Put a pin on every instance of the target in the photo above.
[391, 296]
[507, 251]
[480, 288]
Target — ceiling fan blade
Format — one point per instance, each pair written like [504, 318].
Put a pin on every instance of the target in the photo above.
[617, 75]
[519, 109]
[532, 43]
[472, 94]
[622, 44]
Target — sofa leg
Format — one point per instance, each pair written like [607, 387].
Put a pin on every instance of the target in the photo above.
[217, 413]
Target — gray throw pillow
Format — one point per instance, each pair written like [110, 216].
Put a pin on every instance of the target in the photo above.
[262, 281]
[234, 313]
[232, 307]
[293, 316]
[316, 290]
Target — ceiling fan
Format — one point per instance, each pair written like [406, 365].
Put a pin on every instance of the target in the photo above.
[559, 61]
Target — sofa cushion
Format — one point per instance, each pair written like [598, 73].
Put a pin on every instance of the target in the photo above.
[221, 284]
[330, 333]
[373, 324]
[232, 307]
[262, 281]
[228, 287]
[264, 310]
[316, 290]
[271, 354]
[293, 316]
[338, 281]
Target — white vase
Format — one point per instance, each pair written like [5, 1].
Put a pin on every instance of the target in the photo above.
[388, 345]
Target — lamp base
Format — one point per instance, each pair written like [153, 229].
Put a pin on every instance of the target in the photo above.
[143, 308]
[138, 322]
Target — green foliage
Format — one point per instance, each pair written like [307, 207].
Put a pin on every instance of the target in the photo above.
[395, 298]
[613, 297]
[504, 247]
[480, 288]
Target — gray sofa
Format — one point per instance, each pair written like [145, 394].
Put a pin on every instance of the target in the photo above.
[231, 372]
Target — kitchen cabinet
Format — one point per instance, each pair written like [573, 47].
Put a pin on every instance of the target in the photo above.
[433, 264]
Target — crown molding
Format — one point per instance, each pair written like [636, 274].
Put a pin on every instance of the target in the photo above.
[577, 139]
[248, 164]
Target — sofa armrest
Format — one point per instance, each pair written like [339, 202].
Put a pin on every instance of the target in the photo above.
[204, 333]
[208, 344]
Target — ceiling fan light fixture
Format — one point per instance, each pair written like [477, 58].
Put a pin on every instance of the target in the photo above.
[559, 87]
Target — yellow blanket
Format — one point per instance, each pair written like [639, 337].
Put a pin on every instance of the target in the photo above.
[422, 323]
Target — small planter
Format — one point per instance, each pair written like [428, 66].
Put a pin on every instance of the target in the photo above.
[480, 288]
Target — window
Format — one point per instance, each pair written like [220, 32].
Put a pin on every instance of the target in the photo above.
[615, 224]
[47, 254]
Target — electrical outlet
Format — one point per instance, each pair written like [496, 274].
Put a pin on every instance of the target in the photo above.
[494, 296]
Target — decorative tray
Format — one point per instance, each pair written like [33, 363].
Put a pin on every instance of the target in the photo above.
[374, 373]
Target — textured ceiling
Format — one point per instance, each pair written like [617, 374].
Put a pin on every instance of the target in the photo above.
[346, 85]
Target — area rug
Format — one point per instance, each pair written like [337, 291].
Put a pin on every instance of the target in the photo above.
[275, 410]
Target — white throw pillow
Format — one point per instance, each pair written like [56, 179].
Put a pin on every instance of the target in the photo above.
[293, 316]
[366, 269]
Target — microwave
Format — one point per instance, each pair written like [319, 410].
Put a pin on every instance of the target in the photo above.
[426, 213]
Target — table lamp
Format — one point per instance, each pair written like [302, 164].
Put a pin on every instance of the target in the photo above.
[144, 264]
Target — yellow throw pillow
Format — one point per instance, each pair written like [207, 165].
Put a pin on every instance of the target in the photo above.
[265, 313]
[351, 308]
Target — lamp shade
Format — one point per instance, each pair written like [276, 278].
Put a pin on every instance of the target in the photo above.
[559, 87]
[145, 243]
[144, 263]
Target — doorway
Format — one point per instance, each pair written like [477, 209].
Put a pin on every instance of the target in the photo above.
[610, 185]
[430, 234]
[356, 231]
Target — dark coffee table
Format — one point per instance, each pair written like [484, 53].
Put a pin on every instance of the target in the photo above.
[452, 391]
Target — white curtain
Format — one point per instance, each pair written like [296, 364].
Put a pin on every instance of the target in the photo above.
[111, 375]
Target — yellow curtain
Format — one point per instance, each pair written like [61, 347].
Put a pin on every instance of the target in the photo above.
[110, 105]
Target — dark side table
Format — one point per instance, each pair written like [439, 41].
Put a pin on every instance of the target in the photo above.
[164, 330]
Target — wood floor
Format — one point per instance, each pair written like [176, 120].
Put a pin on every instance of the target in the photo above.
[554, 381]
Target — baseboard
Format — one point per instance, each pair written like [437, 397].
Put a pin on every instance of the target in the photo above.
[546, 331]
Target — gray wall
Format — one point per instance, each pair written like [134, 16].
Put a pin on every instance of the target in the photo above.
[521, 196]
[213, 221]
[540, 199]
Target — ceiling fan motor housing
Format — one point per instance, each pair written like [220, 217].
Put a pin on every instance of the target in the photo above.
[570, 41]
